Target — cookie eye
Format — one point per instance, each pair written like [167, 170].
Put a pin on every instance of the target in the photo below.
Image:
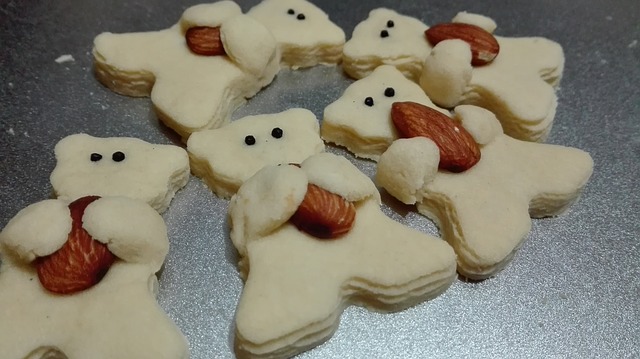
[276, 132]
[95, 157]
[384, 33]
[118, 156]
[390, 23]
[368, 101]
[300, 17]
[290, 12]
[389, 92]
[250, 140]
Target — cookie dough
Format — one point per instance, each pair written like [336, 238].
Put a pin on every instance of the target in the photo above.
[298, 285]
[484, 212]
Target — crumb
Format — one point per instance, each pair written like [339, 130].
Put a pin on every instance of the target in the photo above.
[64, 58]
[609, 18]
[633, 44]
[10, 84]
[26, 134]
[11, 131]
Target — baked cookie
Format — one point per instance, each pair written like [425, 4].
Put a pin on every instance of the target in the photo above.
[77, 280]
[518, 85]
[305, 35]
[119, 166]
[312, 239]
[484, 209]
[226, 157]
[198, 71]
[386, 37]
[360, 119]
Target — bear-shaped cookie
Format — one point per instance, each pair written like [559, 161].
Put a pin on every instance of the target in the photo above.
[305, 35]
[313, 239]
[386, 37]
[78, 280]
[518, 85]
[191, 89]
[226, 157]
[119, 166]
[484, 212]
[360, 119]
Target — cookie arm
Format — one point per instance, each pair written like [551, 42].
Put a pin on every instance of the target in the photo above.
[447, 72]
[38, 230]
[248, 43]
[132, 230]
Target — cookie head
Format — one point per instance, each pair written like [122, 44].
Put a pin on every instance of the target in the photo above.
[361, 119]
[305, 34]
[118, 166]
[386, 37]
[228, 156]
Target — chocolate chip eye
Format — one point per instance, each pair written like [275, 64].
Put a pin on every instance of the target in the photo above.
[276, 132]
[118, 156]
[250, 140]
[390, 23]
[384, 33]
[389, 92]
[300, 17]
[95, 157]
[368, 101]
[290, 12]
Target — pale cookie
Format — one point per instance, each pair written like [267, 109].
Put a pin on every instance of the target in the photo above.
[190, 91]
[484, 212]
[50, 247]
[226, 157]
[119, 166]
[386, 37]
[517, 85]
[305, 35]
[297, 284]
[360, 119]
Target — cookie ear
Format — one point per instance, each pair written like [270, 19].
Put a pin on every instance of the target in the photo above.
[480, 123]
[38, 230]
[249, 44]
[264, 202]
[132, 229]
[447, 72]
[406, 166]
[209, 14]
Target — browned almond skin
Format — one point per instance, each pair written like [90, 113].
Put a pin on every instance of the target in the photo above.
[205, 40]
[80, 263]
[484, 46]
[323, 214]
[458, 150]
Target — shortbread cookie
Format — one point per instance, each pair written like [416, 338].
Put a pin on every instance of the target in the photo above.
[198, 71]
[305, 35]
[78, 281]
[360, 119]
[119, 166]
[226, 157]
[517, 85]
[312, 239]
[386, 37]
[484, 211]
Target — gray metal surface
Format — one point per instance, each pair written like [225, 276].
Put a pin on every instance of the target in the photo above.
[571, 291]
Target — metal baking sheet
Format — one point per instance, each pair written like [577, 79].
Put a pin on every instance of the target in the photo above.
[571, 291]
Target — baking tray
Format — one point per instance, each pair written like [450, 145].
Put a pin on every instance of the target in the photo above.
[572, 289]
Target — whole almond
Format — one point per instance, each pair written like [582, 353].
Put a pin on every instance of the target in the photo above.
[484, 46]
[205, 40]
[458, 149]
[323, 214]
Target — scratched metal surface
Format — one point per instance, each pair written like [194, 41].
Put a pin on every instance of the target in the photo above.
[571, 291]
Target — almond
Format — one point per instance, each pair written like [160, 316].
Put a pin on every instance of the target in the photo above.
[323, 214]
[484, 46]
[205, 40]
[80, 263]
[458, 149]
